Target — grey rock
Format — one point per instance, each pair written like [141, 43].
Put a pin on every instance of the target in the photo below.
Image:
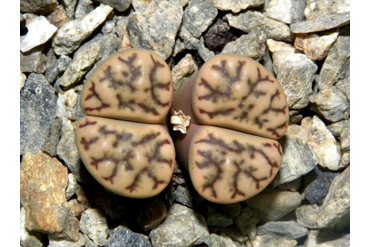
[83, 60]
[67, 105]
[190, 42]
[295, 73]
[94, 224]
[272, 240]
[320, 139]
[288, 229]
[71, 187]
[331, 103]
[33, 60]
[222, 215]
[321, 23]
[235, 5]
[67, 149]
[23, 79]
[152, 215]
[52, 138]
[335, 207]
[287, 11]
[345, 146]
[83, 8]
[317, 8]
[183, 196]
[316, 45]
[247, 21]
[58, 17]
[183, 70]
[344, 87]
[89, 242]
[336, 64]
[38, 6]
[55, 242]
[337, 202]
[274, 204]
[71, 34]
[51, 63]
[203, 51]
[70, 6]
[178, 48]
[252, 45]
[120, 5]
[122, 236]
[316, 191]
[337, 128]
[183, 227]
[221, 240]
[298, 158]
[37, 112]
[247, 220]
[39, 31]
[327, 238]
[233, 232]
[198, 15]
[144, 31]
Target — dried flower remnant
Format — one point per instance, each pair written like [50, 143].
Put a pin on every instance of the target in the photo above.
[125, 143]
[237, 111]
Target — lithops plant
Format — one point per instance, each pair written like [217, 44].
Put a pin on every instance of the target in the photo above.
[124, 142]
[237, 111]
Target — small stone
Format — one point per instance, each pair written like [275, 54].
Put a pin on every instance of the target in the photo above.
[287, 11]
[298, 158]
[198, 15]
[218, 35]
[246, 222]
[26, 238]
[89, 242]
[335, 206]
[71, 34]
[152, 215]
[221, 240]
[77, 208]
[317, 8]
[39, 31]
[52, 138]
[307, 215]
[120, 5]
[295, 73]
[58, 17]
[331, 103]
[33, 60]
[190, 42]
[337, 128]
[83, 8]
[43, 181]
[183, 70]
[94, 224]
[287, 229]
[144, 31]
[323, 143]
[84, 59]
[23, 78]
[321, 23]
[336, 64]
[183, 196]
[316, 191]
[55, 242]
[67, 149]
[42, 7]
[235, 5]
[337, 202]
[37, 112]
[247, 21]
[234, 234]
[271, 205]
[222, 215]
[203, 51]
[272, 240]
[70, 6]
[71, 187]
[327, 238]
[344, 87]
[345, 146]
[183, 227]
[251, 45]
[316, 45]
[122, 236]
[274, 45]
[67, 104]
[292, 185]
